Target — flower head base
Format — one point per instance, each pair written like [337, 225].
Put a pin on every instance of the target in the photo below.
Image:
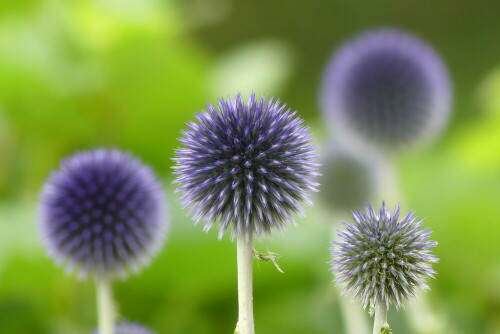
[383, 258]
[246, 165]
[102, 213]
[129, 328]
[387, 87]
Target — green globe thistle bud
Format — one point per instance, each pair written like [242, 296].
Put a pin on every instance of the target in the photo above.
[382, 258]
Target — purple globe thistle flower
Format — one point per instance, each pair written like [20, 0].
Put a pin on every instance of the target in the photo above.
[388, 87]
[129, 328]
[383, 258]
[246, 165]
[348, 180]
[102, 213]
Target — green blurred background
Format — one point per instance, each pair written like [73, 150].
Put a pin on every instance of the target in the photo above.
[75, 74]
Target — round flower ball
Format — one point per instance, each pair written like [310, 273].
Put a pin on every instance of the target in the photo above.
[247, 165]
[102, 213]
[382, 257]
[388, 88]
[129, 328]
[349, 179]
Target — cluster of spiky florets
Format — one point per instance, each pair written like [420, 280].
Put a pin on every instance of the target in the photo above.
[246, 165]
[347, 180]
[382, 258]
[102, 213]
[129, 328]
[387, 87]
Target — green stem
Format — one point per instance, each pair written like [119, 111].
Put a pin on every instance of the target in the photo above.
[380, 317]
[105, 307]
[245, 299]
[353, 316]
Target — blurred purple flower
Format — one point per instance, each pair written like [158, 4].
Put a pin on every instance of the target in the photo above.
[382, 258]
[102, 213]
[347, 180]
[129, 328]
[246, 165]
[387, 87]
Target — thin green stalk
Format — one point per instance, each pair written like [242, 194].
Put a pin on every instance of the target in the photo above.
[105, 307]
[245, 298]
[380, 318]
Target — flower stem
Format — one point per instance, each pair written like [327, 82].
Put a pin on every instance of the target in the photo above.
[380, 317]
[353, 316]
[245, 299]
[105, 307]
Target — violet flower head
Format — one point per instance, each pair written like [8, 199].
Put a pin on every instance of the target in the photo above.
[388, 88]
[246, 165]
[347, 181]
[102, 213]
[382, 258]
[129, 328]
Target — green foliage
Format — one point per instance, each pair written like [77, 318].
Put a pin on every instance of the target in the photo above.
[77, 75]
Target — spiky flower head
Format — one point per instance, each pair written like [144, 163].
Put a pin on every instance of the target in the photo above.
[246, 165]
[102, 213]
[382, 258]
[129, 328]
[387, 87]
[348, 180]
